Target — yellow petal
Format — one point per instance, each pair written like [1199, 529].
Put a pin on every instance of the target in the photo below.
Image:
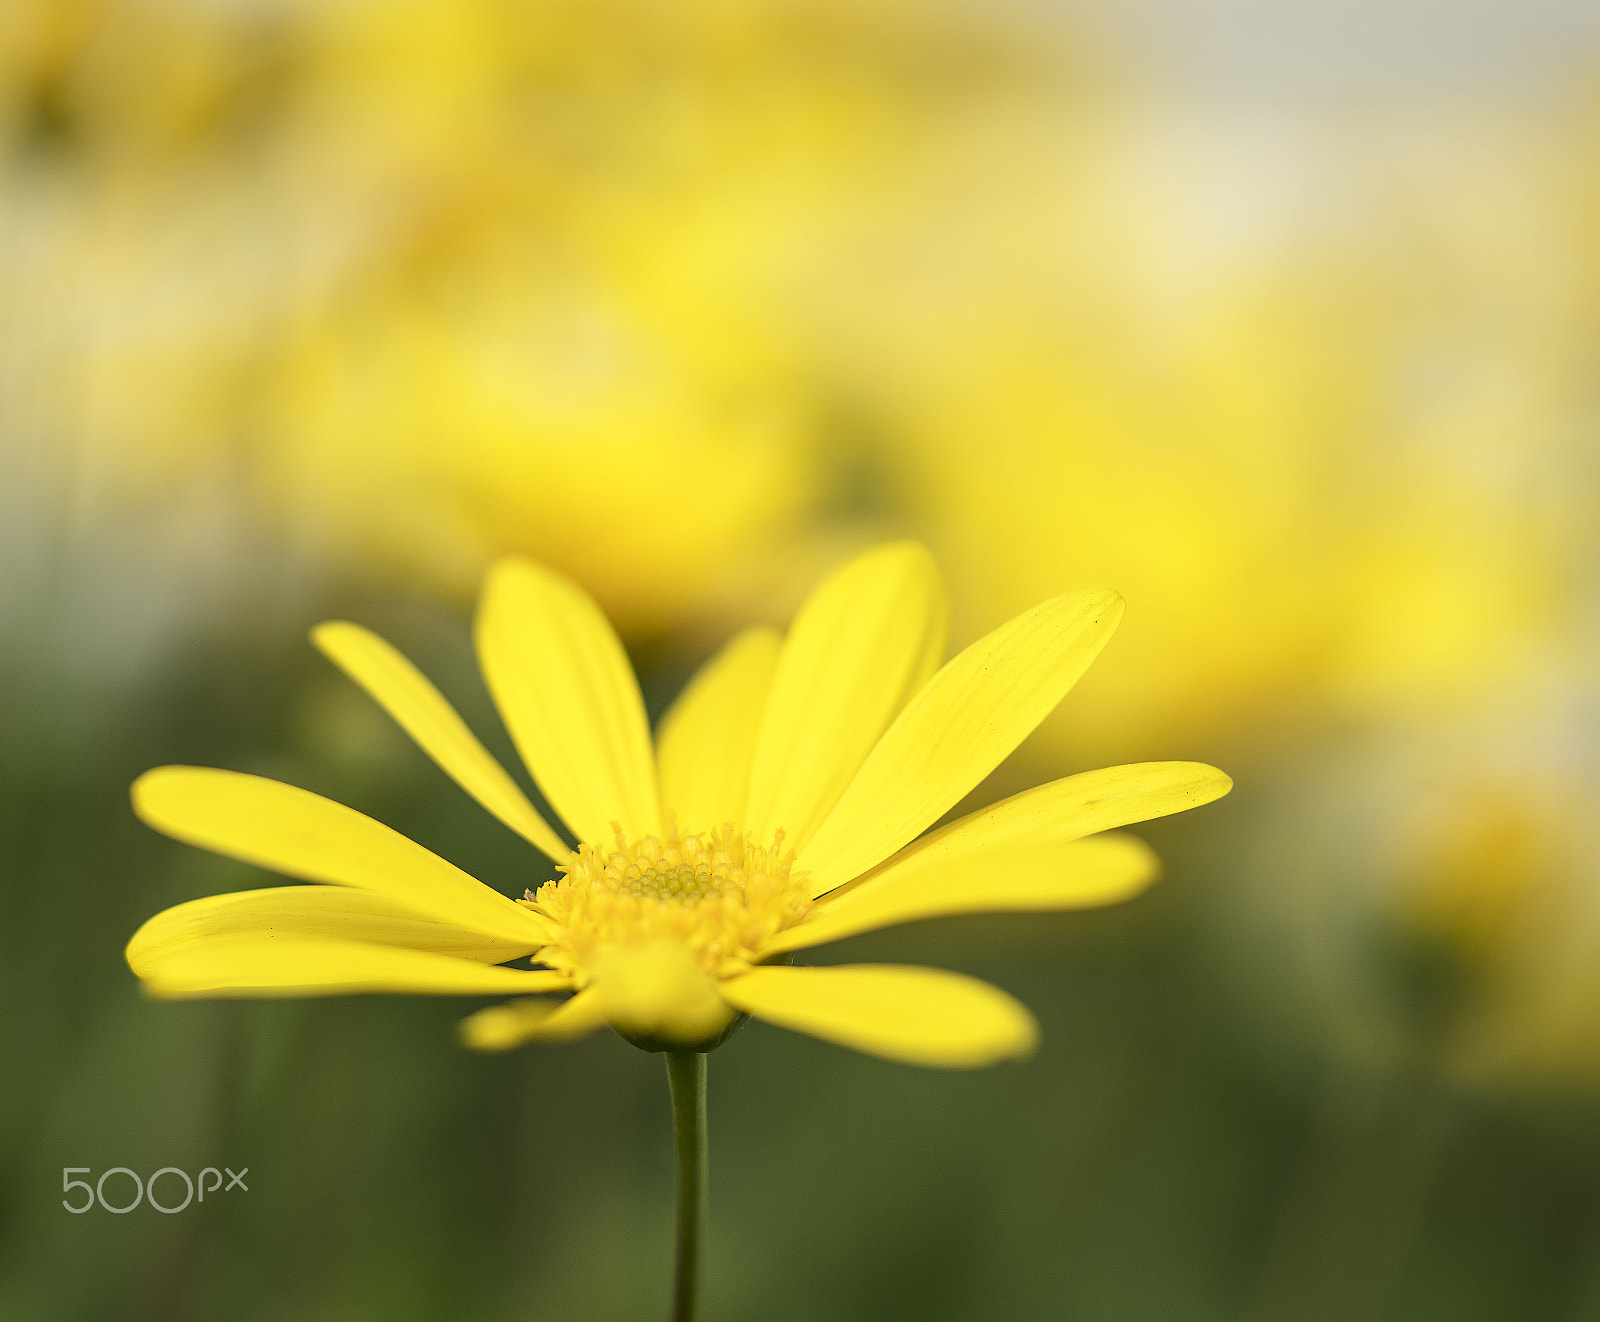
[1078, 875]
[501, 1027]
[300, 912]
[916, 1015]
[963, 723]
[567, 694]
[303, 835]
[708, 738]
[862, 644]
[1081, 805]
[422, 712]
[1063, 810]
[291, 966]
[657, 991]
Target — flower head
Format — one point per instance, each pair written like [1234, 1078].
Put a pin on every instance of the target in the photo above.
[782, 805]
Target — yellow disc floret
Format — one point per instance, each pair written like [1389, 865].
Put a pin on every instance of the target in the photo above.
[721, 896]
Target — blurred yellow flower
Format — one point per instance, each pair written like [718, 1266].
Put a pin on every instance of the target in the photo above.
[1347, 384]
[400, 279]
[1476, 860]
[1428, 894]
[1496, 879]
[782, 806]
[1257, 459]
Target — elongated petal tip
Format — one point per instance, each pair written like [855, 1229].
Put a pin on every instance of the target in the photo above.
[1023, 1044]
[1103, 608]
[1205, 784]
[502, 1027]
[146, 791]
[137, 950]
[325, 635]
[917, 1016]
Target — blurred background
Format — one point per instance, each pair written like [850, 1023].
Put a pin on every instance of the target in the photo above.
[1281, 318]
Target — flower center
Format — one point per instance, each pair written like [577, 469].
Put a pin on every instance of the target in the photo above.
[687, 883]
[721, 896]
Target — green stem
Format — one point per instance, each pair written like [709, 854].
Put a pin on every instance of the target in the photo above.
[686, 1073]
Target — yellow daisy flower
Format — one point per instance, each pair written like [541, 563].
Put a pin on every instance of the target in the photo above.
[782, 805]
